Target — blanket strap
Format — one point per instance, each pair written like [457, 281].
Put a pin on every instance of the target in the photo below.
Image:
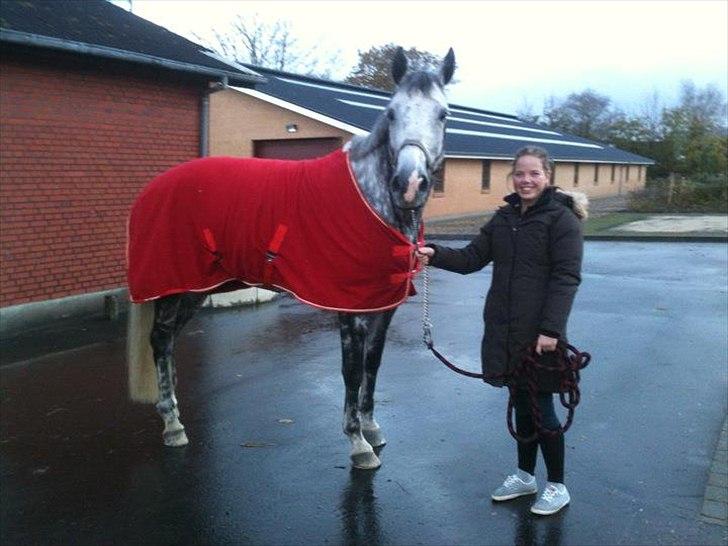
[272, 253]
[211, 245]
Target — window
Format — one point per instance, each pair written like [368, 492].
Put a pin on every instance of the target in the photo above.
[485, 179]
[614, 168]
[552, 181]
[596, 174]
[626, 176]
[576, 174]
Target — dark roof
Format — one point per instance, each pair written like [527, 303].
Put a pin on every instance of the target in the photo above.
[99, 28]
[470, 132]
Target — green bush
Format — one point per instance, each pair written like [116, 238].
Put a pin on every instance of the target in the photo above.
[699, 193]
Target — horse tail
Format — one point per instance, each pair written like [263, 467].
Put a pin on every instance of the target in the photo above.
[139, 356]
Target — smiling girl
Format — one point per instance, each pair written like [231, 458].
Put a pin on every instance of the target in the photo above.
[535, 243]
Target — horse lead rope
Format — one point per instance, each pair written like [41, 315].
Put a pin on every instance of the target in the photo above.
[427, 328]
[569, 368]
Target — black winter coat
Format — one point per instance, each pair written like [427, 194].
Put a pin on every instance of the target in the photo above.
[536, 271]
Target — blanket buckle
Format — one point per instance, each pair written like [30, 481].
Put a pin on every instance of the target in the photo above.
[271, 252]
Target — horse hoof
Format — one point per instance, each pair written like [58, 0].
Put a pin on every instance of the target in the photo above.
[365, 461]
[374, 436]
[175, 438]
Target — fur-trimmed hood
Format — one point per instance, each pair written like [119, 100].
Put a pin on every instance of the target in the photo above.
[575, 200]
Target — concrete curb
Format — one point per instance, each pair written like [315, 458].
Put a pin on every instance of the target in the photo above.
[237, 298]
[715, 499]
[107, 303]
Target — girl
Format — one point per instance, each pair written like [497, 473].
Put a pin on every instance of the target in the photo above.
[535, 243]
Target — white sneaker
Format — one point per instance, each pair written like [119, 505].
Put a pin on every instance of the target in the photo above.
[554, 497]
[515, 485]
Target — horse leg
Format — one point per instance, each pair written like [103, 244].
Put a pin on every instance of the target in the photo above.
[353, 330]
[372, 359]
[170, 315]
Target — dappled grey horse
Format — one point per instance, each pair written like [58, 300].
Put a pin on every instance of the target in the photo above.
[394, 167]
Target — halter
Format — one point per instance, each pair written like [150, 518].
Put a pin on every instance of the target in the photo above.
[429, 162]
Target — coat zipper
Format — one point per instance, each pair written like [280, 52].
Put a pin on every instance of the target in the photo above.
[514, 234]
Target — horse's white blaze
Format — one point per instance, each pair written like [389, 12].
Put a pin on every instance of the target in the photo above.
[412, 184]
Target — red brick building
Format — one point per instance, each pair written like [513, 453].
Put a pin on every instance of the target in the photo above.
[94, 101]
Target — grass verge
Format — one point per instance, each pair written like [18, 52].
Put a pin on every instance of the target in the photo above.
[601, 224]
[605, 224]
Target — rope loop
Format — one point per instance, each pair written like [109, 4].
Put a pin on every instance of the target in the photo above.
[570, 361]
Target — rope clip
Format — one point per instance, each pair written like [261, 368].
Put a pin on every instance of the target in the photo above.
[427, 335]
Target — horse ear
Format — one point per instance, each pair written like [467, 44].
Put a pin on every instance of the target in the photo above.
[448, 67]
[399, 65]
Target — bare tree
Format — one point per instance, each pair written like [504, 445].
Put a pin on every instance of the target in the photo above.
[526, 112]
[254, 41]
[651, 115]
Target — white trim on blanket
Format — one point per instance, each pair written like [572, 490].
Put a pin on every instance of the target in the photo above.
[414, 267]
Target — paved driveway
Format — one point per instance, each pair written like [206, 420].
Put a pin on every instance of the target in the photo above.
[80, 465]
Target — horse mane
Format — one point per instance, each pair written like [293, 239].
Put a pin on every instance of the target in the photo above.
[361, 146]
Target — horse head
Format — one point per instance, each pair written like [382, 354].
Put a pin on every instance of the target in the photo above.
[415, 125]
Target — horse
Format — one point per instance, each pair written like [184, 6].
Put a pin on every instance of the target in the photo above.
[394, 168]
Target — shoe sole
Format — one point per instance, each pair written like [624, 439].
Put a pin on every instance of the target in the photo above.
[513, 496]
[548, 513]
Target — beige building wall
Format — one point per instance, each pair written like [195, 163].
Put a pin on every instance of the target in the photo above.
[627, 178]
[236, 120]
[463, 193]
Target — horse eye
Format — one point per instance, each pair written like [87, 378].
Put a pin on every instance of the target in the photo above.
[390, 115]
[443, 115]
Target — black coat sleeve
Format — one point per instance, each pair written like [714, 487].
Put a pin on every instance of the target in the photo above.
[473, 257]
[566, 250]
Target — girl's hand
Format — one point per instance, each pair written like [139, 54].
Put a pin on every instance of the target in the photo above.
[424, 253]
[545, 344]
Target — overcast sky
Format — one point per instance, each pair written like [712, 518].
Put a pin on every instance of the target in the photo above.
[508, 52]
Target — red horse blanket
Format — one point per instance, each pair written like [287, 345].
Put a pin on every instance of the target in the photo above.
[300, 226]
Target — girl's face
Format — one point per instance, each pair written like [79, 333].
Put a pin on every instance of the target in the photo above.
[530, 178]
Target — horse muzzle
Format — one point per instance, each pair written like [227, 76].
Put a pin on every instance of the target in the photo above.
[411, 186]
[411, 181]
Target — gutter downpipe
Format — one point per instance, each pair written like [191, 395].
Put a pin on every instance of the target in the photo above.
[213, 87]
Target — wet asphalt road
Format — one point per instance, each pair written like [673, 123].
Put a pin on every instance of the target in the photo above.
[81, 465]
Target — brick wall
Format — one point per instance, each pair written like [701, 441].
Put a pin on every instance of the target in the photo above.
[77, 144]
